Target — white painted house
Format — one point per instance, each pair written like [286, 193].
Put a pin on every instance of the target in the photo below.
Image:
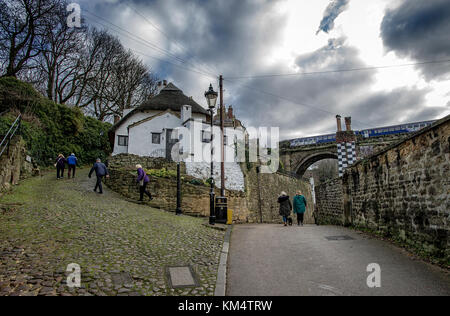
[154, 129]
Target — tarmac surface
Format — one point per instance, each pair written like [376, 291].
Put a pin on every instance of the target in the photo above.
[273, 260]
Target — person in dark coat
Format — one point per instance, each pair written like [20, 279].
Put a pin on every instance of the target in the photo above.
[60, 166]
[285, 207]
[300, 207]
[72, 163]
[143, 181]
[100, 171]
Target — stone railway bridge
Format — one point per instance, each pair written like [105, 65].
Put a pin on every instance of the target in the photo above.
[296, 160]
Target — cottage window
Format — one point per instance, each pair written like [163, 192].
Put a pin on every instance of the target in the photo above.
[123, 140]
[156, 138]
[206, 137]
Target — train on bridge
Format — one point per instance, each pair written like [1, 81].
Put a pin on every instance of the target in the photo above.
[366, 133]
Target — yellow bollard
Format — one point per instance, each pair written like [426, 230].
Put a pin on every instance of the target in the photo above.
[230, 217]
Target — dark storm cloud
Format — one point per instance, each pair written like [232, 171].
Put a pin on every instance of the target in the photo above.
[234, 37]
[324, 96]
[334, 9]
[393, 107]
[420, 30]
[321, 96]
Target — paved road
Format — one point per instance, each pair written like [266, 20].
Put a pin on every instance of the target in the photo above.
[277, 260]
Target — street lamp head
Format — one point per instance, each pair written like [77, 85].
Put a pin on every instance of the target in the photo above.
[211, 97]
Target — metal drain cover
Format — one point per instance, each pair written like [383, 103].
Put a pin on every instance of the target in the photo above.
[180, 277]
[333, 238]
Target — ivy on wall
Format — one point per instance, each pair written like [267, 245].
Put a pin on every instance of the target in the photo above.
[50, 128]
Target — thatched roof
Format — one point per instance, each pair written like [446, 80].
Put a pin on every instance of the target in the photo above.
[170, 98]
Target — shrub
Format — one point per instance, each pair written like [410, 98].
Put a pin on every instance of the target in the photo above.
[50, 128]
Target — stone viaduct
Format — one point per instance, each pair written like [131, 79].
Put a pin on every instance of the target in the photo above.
[347, 148]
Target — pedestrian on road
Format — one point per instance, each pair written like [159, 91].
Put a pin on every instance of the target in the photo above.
[72, 162]
[60, 165]
[100, 171]
[143, 181]
[299, 207]
[285, 207]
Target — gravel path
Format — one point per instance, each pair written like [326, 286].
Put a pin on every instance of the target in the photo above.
[122, 248]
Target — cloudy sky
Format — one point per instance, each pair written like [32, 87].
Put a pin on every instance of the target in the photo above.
[191, 42]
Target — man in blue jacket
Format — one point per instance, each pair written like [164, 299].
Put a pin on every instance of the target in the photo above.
[100, 171]
[72, 162]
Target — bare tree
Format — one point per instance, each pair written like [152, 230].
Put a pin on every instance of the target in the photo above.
[21, 24]
[89, 69]
[59, 63]
[117, 80]
[324, 170]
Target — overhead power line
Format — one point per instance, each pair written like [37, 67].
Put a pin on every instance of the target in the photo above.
[338, 70]
[168, 37]
[316, 108]
[142, 40]
[154, 57]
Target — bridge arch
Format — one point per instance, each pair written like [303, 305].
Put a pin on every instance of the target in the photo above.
[308, 161]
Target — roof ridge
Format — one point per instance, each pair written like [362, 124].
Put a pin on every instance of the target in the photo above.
[171, 87]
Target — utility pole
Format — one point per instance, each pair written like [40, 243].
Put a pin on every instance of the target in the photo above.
[222, 163]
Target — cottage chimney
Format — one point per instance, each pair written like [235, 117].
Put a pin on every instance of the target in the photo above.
[338, 121]
[348, 124]
[230, 112]
[159, 87]
[186, 113]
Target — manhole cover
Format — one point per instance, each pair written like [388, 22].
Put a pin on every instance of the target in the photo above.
[339, 238]
[180, 277]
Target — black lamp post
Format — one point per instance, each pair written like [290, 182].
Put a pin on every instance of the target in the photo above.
[178, 210]
[211, 98]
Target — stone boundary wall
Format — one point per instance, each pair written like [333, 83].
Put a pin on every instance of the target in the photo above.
[402, 192]
[195, 199]
[330, 203]
[257, 202]
[14, 167]
[262, 192]
[130, 161]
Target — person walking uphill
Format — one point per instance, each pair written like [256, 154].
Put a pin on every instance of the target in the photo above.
[60, 165]
[72, 162]
[285, 207]
[300, 207]
[100, 171]
[143, 181]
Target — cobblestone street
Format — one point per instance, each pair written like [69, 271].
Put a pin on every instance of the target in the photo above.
[123, 248]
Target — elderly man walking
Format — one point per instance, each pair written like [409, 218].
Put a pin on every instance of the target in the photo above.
[299, 207]
[100, 171]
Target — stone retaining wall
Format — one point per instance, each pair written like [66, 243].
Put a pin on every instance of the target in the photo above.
[130, 161]
[262, 192]
[402, 192]
[329, 203]
[195, 198]
[257, 203]
[14, 166]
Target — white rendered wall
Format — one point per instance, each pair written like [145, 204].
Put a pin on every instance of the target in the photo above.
[123, 130]
[140, 136]
[198, 160]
